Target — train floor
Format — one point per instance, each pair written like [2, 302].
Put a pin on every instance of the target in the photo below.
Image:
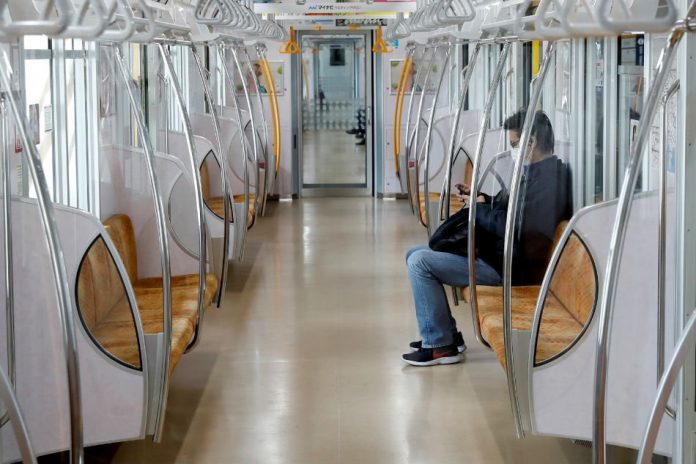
[302, 364]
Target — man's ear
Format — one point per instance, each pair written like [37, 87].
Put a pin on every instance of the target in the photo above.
[533, 142]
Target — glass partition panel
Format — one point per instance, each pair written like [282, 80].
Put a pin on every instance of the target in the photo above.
[335, 110]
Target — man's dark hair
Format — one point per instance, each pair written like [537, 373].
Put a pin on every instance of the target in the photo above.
[541, 129]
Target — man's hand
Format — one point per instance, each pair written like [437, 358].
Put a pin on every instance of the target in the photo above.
[463, 189]
[463, 195]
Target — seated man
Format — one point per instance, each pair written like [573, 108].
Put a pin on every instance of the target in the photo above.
[545, 203]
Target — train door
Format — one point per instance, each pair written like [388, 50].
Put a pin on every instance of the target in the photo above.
[334, 127]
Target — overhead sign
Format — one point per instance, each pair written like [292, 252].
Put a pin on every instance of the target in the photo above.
[324, 7]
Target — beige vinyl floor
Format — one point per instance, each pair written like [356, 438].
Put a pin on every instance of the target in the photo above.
[332, 157]
[302, 363]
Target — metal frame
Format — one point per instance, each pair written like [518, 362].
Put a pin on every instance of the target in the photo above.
[510, 228]
[368, 188]
[240, 223]
[447, 184]
[196, 175]
[60, 274]
[413, 147]
[14, 414]
[428, 139]
[254, 142]
[9, 258]
[617, 240]
[409, 136]
[264, 125]
[483, 129]
[136, 111]
[227, 209]
[682, 351]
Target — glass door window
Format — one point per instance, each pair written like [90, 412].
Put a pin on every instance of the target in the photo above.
[335, 126]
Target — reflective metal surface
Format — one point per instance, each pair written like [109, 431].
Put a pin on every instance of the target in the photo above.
[608, 292]
[511, 227]
[163, 239]
[200, 202]
[61, 279]
[483, 129]
[224, 170]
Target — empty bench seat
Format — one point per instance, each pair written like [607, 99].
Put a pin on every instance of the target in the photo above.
[566, 311]
[106, 310]
[216, 204]
[455, 203]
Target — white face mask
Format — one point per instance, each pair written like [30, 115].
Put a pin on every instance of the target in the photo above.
[515, 153]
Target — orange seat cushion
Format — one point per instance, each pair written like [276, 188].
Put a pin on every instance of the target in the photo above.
[217, 206]
[455, 203]
[149, 298]
[560, 327]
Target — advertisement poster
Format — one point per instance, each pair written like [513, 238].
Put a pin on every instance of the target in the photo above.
[277, 71]
[34, 124]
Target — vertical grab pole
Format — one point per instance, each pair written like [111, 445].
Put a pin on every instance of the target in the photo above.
[421, 100]
[471, 244]
[146, 141]
[428, 139]
[7, 230]
[275, 115]
[200, 214]
[510, 227]
[224, 171]
[253, 132]
[661, 241]
[447, 190]
[60, 273]
[616, 243]
[14, 414]
[240, 223]
[398, 111]
[264, 124]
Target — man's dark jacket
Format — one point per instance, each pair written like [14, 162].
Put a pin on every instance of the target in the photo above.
[546, 201]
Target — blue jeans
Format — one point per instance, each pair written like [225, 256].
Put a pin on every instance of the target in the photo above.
[428, 270]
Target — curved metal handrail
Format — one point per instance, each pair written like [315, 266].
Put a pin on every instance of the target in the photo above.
[227, 208]
[608, 294]
[197, 184]
[255, 147]
[14, 413]
[413, 149]
[264, 124]
[478, 155]
[273, 99]
[398, 111]
[428, 139]
[245, 163]
[681, 352]
[419, 73]
[511, 227]
[59, 269]
[447, 183]
[160, 216]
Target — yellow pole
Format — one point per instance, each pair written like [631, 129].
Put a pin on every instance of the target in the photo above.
[275, 116]
[400, 93]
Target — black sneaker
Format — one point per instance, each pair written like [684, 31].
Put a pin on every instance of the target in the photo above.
[432, 356]
[458, 340]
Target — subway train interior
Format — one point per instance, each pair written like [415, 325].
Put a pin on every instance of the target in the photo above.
[348, 231]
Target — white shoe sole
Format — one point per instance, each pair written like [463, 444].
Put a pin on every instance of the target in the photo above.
[461, 349]
[435, 362]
